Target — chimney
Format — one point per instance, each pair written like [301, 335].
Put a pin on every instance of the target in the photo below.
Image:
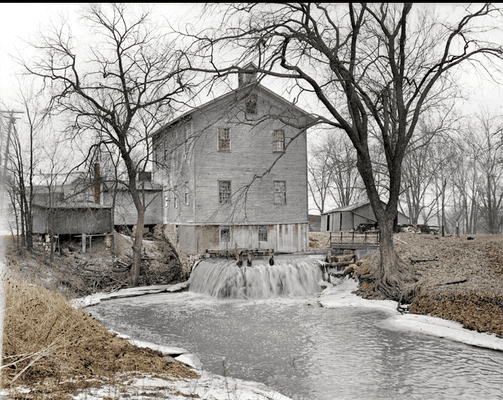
[97, 183]
[250, 76]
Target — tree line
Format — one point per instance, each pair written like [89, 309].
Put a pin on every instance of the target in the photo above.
[452, 178]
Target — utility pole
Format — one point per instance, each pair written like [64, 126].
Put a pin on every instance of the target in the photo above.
[4, 155]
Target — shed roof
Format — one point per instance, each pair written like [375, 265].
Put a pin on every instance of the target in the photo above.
[73, 206]
[353, 207]
[350, 207]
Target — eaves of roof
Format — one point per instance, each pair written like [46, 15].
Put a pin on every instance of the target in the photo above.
[74, 206]
[188, 114]
[350, 207]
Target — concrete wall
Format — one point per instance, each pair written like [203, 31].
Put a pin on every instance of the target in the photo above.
[196, 239]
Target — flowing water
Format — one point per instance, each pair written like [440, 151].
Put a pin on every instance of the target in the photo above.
[301, 349]
[288, 276]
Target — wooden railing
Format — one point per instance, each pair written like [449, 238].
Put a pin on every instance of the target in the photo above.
[349, 238]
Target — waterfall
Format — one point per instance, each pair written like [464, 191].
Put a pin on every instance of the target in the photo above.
[224, 278]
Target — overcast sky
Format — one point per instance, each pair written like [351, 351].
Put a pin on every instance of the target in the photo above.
[21, 21]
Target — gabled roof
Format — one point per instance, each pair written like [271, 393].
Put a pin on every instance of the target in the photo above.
[351, 207]
[57, 181]
[210, 103]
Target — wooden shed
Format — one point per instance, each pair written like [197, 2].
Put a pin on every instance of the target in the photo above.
[78, 218]
[350, 217]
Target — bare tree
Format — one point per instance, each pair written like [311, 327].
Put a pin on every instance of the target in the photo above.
[319, 180]
[464, 184]
[490, 159]
[429, 153]
[373, 69]
[333, 175]
[127, 81]
[26, 156]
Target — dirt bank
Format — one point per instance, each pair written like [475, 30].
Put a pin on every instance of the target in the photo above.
[460, 277]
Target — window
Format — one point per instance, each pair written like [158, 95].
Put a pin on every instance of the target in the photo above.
[165, 146]
[176, 201]
[279, 192]
[224, 139]
[278, 144]
[251, 104]
[187, 196]
[262, 233]
[166, 201]
[224, 191]
[225, 234]
[187, 137]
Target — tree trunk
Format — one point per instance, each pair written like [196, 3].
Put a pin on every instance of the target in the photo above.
[393, 278]
[138, 240]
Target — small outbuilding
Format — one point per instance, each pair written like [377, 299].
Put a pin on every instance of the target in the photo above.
[72, 219]
[350, 217]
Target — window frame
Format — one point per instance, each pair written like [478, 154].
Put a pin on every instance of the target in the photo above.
[226, 229]
[263, 230]
[278, 141]
[279, 192]
[221, 140]
[227, 192]
[186, 197]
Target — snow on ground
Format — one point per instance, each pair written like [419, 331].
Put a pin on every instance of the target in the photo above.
[340, 296]
[215, 387]
[208, 386]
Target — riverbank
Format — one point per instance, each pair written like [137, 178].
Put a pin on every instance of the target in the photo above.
[457, 267]
[459, 277]
[342, 295]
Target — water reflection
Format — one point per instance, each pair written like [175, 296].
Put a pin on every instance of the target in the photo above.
[309, 352]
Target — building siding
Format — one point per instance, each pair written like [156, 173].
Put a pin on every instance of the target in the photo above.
[125, 211]
[338, 221]
[251, 166]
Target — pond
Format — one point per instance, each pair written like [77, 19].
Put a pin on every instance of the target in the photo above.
[305, 351]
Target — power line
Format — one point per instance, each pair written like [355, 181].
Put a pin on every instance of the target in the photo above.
[5, 155]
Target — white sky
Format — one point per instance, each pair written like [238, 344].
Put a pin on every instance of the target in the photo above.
[21, 21]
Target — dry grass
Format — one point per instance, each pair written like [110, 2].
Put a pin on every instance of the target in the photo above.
[51, 349]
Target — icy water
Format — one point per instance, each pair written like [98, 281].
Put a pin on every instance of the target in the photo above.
[308, 352]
